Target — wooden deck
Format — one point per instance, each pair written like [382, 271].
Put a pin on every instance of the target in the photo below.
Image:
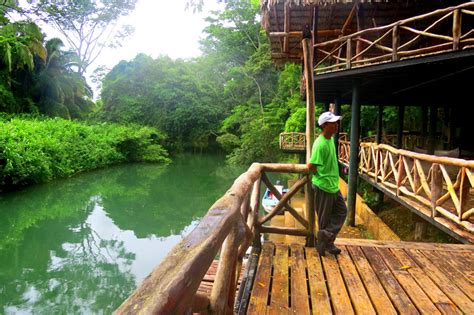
[369, 277]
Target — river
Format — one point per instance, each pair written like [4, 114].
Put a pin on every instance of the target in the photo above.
[81, 245]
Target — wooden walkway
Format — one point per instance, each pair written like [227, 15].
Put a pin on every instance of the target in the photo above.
[369, 277]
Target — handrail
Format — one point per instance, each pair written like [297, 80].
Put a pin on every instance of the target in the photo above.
[229, 226]
[409, 141]
[379, 48]
[443, 184]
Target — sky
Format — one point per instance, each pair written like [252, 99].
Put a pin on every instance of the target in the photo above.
[162, 27]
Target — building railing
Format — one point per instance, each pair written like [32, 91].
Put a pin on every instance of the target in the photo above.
[228, 229]
[409, 141]
[293, 141]
[445, 185]
[396, 41]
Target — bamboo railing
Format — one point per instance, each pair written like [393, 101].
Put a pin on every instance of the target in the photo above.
[445, 185]
[229, 228]
[395, 41]
[293, 141]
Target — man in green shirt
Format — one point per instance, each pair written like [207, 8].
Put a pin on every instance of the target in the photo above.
[328, 201]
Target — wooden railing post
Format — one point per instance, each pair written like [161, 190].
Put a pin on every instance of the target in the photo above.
[349, 54]
[456, 28]
[223, 290]
[252, 220]
[395, 42]
[463, 193]
[436, 186]
[245, 207]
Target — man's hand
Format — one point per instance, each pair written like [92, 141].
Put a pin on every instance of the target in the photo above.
[311, 168]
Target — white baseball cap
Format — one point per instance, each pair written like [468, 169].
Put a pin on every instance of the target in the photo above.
[327, 117]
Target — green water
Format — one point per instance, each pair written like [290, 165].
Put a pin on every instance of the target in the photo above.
[81, 245]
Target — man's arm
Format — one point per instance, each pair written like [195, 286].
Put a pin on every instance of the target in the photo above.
[311, 168]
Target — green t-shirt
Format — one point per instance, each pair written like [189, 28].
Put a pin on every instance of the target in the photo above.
[323, 156]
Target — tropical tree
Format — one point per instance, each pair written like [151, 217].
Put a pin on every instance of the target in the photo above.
[60, 91]
[20, 45]
[249, 80]
[87, 25]
[172, 95]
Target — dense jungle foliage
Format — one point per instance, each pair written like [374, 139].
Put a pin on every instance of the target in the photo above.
[233, 98]
[37, 150]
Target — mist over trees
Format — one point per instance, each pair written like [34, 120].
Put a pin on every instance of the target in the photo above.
[227, 99]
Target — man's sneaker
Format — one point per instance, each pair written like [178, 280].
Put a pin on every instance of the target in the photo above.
[323, 240]
[332, 249]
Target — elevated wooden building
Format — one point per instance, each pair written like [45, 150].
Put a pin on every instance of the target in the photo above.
[390, 53]
[397, 53]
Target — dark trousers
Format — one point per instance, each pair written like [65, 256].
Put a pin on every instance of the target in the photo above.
[331, 210]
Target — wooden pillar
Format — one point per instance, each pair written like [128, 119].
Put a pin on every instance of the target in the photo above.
[308, 74]
[379, 199]
[315, 31]
[337, 111]
[378, 137]
[348, 53]
[401, 116]
[456, 28]
[286, 28]
[395, 42]
[379, 195]
[354, 156]
[432, 129]
[360, 18]
[420, 227]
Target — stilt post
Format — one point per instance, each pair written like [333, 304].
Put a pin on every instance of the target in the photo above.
[308, 74]
[354, 155]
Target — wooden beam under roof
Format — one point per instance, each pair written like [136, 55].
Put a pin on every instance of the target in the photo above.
[335, 32]
[286, 40]
[277, 25]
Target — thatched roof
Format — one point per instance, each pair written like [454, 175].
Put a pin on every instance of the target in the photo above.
[285, 20]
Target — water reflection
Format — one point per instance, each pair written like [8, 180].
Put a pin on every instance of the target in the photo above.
[81, 245]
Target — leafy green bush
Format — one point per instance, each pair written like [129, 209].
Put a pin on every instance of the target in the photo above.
[35, 150]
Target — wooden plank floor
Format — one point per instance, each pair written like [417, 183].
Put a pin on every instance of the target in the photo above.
[368, 277]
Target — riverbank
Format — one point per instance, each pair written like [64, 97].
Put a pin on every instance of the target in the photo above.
[36, 149]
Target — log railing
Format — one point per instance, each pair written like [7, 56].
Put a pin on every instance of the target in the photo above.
[444, 185]
[229, 228]
[443, 32]
[293, 141]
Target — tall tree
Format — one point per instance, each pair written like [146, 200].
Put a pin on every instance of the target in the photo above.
[21, 43]
[87, 25]
[60, 91]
